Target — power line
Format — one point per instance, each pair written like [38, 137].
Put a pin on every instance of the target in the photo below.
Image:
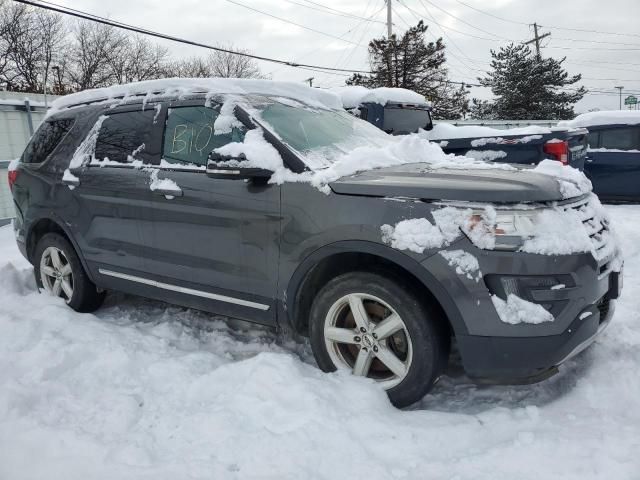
[491, 14]
[332, 11]
[289, 21]
[464, 21]
[95, 18]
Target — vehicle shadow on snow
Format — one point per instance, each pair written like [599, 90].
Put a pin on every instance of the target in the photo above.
[454, 392]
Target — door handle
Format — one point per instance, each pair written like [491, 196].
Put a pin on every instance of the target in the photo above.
[589, 160]
[168, 193]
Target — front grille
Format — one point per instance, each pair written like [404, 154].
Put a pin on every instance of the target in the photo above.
[598, 230]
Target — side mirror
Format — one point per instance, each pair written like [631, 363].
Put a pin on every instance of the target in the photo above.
[232, 168]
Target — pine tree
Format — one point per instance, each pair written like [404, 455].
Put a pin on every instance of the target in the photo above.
[410, 62]
[527, 87]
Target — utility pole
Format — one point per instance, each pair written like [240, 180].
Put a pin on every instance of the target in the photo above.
[620, 90]
[389, 22]
[536, 39]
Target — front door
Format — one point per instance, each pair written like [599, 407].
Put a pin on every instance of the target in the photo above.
[215, 241]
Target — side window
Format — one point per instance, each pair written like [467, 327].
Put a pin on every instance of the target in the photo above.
[189, 135]
[619, 138]
[124, 136]
[45, 140]
[594, 139]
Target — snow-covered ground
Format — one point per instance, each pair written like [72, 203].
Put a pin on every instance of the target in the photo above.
[145, 390]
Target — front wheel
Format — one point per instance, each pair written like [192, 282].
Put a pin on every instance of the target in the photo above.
[376, 327]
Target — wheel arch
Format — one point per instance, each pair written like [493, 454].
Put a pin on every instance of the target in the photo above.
[341, 257]
[43, 225]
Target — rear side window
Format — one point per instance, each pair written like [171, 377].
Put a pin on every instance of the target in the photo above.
[125, 137]
[619, 138]
[45, 140]
[189, 135]
[594, 139]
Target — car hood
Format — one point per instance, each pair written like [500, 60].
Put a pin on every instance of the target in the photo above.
[471, 185]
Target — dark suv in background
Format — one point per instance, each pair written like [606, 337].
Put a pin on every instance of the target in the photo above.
[122, 191]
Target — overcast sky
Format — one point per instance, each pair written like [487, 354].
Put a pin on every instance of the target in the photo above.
[605, 60]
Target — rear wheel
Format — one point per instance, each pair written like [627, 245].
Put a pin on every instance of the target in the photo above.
[59, 272]
[374, 326]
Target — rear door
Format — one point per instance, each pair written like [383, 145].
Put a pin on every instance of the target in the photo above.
[613, 162]
[109, 211]
[215, 241]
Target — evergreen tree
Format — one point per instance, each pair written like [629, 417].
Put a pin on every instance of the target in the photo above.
[528, 87]
[412, 63]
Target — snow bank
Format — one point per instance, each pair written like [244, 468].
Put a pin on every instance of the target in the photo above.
[447, 131]
[516, 310]
[353, 96]
[611, 117]
[210, 86]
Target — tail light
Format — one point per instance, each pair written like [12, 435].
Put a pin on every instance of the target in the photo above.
[558, 151]
[12, 176]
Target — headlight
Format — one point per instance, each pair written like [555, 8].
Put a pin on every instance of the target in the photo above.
[501, 229]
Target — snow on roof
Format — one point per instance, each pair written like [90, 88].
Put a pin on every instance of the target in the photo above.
[210, 86]
[611, 117]
[352, 96]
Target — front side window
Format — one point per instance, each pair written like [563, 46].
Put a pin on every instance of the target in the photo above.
[124, 136]
[190, 136]
[45, 140]
[619, 139]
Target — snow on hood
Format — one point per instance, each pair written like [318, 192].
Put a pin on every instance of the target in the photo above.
[573, 182]
[211, 86]
[352, 96]
[611, 117]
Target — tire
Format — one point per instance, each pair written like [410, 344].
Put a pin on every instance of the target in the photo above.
[59, 272]
[413, 333]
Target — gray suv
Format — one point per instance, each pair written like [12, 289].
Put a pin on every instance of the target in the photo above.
[142, 193]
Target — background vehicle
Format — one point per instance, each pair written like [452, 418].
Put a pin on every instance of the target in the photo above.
[137, 189]
[399, 112]
[613, 159]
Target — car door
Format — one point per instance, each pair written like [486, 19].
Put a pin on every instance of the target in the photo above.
[215, 241]
[110, 193]
[613, 162]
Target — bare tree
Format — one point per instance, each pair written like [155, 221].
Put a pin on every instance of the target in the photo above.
[139, 60]
[91, 55]
[194, 67]
[230, 65]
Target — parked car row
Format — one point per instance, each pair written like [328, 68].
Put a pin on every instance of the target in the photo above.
[267, 202]
[605, 145]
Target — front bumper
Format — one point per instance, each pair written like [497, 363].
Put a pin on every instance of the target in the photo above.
[579, 290]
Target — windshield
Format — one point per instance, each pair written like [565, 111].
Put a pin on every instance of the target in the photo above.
[319, 136]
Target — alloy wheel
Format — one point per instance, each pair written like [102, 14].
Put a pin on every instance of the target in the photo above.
[56, 273]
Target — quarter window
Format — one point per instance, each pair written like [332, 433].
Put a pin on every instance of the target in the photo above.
[190, 137]
[45, 140]
[619, 138]
[125, 136]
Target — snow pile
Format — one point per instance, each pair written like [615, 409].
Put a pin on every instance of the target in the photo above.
[416, 234]
[486, 155]
[464, 263]
[146, 390]
[448, 131]
[210, 86]
[558, 231]
[611, 117]
[573, 183]
[353, 96]
[164, 184]
[226, 120]
[516, 310]
[254, 150]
